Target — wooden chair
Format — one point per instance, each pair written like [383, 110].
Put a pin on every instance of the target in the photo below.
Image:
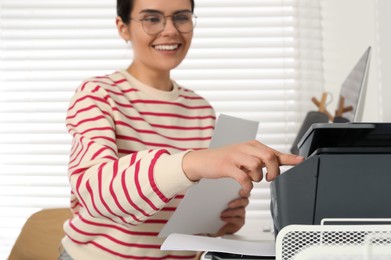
[41, 235]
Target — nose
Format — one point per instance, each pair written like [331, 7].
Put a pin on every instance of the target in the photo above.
[169, 27]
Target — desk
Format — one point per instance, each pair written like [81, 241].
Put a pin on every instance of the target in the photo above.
[226, 256]
[254, 230]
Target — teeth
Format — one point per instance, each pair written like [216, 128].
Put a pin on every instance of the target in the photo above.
[166, 47]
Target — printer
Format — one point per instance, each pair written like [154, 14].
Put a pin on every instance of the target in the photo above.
[346, 174]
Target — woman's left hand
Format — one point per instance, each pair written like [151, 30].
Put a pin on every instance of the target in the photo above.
[234, 216]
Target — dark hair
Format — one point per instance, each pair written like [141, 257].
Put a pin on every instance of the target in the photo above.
[125, 7]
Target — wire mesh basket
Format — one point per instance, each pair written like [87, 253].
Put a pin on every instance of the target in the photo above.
[334, 242]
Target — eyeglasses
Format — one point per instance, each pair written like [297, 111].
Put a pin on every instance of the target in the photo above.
[154, 23]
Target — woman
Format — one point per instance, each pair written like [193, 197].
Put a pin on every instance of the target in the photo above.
[139, 142]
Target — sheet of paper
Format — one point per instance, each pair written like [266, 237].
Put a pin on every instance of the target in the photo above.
[202, 243]
[199, 211]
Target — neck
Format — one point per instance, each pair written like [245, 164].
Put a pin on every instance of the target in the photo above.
[157, 79]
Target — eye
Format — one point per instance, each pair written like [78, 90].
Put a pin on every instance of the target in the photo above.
[182, 18]
[152, 19]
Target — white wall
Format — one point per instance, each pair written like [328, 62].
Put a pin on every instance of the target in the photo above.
[384, 39]
[349, 27]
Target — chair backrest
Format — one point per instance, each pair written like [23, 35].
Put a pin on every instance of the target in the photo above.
[41, 235]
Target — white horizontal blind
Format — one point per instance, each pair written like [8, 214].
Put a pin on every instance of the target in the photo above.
[255, 59]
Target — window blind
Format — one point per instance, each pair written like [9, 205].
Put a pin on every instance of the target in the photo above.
[255, 59]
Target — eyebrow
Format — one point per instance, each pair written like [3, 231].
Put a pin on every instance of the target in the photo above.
[153, 11]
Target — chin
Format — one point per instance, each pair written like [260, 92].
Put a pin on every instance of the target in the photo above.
[167, 66]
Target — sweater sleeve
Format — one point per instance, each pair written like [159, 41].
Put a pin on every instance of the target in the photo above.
[127, 190]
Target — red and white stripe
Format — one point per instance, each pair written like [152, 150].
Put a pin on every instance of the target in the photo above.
[125, 164]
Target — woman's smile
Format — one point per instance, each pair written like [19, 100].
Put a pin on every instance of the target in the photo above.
[166, 47]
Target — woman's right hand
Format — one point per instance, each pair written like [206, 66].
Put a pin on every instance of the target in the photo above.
[243, 162]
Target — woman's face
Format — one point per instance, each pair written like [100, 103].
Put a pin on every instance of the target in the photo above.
[163, 51]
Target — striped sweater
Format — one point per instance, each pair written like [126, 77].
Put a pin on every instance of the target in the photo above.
[125, 166]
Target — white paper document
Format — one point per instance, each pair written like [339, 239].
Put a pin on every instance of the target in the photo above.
[201, 243]
[199, 211]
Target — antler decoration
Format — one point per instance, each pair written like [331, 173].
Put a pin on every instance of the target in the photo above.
[341, 109]
[322, 105]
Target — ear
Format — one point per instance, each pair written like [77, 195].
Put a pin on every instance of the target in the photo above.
[123, 29]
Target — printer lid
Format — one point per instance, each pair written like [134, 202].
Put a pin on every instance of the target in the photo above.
[345, 135]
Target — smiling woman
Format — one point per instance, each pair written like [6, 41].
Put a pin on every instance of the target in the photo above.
[140, 140]
[245, 59]
[153, 42]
